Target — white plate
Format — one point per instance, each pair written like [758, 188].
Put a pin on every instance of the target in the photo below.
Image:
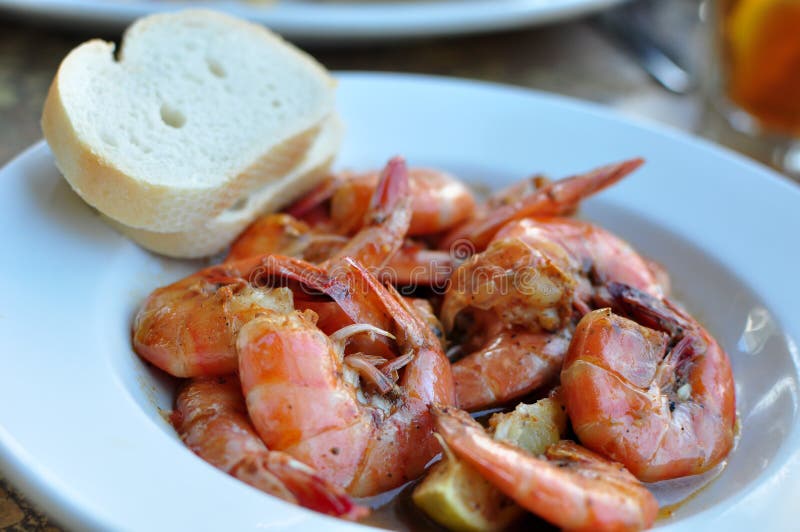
[80, 429]
[330, 21]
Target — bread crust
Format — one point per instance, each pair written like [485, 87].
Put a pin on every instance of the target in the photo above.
[207, 240]
[132, 200]
[218, 233]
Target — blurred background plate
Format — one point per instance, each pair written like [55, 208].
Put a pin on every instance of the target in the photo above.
[326, 21]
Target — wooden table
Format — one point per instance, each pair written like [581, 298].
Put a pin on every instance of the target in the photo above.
[574, 59]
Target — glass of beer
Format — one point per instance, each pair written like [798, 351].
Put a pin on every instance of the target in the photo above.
[757, 56]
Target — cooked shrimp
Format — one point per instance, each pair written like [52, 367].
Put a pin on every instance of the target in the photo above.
[188, 328]
[512, 304]
[347, 417]
[555, 198]
[510, 364]
[211, 419]
[410, 265]
[282, 234]
[541, 270]
[387, 219]
[569, 486]
[656, 394]
[384, 221]
[383, 227]
[415, 265]
[439, 202]
[519, 283]
[595, 254]
[524, 275]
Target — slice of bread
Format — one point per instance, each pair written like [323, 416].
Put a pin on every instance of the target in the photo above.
[217, 234]
[198, 110]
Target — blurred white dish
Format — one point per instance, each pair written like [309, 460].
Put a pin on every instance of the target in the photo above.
[82, 430]
[328, 21]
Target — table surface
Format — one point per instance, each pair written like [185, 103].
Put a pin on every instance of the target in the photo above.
[575, 58]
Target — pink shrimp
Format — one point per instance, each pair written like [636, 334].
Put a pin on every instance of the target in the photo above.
[211, 419]
[569, 486]
[511, 363]
[188, 328]
[595, 254]
[656, 394]
[346, 416]
[534, 276]
[408, 264]
[282, 234]
[439, 202]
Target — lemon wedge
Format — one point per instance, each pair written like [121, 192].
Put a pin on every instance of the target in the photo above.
[457, 497]
[460, 499]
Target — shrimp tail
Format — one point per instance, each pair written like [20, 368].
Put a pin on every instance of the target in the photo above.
[310, 489]
[391, 191]
[567, 193]
[556, 198]
[211, 418]
[314, 199]
[647, 310]
[386, 222]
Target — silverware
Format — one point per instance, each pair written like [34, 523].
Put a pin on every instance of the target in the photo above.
[631, 27]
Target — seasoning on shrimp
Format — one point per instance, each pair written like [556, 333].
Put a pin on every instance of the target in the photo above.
[654, 392]
[319, 408]
[569, 486]
[314, 380]
[520, 294]
[211, 419]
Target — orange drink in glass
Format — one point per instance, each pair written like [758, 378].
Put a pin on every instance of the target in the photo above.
[759, 61]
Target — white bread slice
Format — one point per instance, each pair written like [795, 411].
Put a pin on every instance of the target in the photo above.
[217, 234]
[199, 110]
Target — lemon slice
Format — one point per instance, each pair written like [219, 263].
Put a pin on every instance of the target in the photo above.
[457, 497]
[460, 499]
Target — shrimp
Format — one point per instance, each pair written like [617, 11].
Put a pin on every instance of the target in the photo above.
[656, 394]
[282, 234]
[511, 364]
[514, 307]
[542, 272]
[439, 202]
[188, 328]
[555, 198]
[385, 220]
[211, 419]
[596, 255]
[569, 486]
[415, 265]
[407, 264]
[346, 416]
[410, 265]
[515, 281]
